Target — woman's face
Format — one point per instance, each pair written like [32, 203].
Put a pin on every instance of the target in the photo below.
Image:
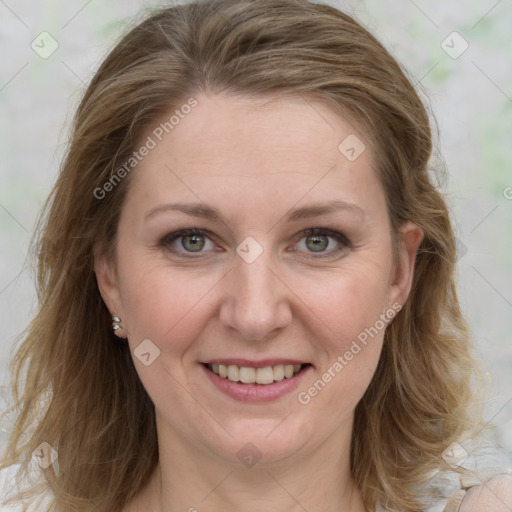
[253, 290]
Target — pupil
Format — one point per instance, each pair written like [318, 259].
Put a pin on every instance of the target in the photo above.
[318, 240]
[195, 242]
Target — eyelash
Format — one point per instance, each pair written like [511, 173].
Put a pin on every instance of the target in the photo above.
[339, 237]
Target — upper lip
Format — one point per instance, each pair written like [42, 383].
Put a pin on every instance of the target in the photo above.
[253, 364]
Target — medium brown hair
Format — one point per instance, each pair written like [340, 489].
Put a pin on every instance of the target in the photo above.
[81, 392]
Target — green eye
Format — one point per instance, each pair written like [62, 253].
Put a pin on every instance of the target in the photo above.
[317, 240]
[194, 243]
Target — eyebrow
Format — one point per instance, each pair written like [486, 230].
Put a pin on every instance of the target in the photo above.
[211, 213]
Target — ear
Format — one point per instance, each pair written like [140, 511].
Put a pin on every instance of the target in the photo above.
[409, 240]
[106, 277]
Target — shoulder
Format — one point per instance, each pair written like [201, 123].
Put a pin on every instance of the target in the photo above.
[475, 476]
[495, 494]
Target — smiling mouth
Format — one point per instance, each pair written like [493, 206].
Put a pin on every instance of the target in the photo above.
[247, 375]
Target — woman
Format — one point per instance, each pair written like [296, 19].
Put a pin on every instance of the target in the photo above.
[245, 209]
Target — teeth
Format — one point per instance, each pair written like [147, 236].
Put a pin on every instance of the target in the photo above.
[278, 372]
[247, 375]
[265, 375]
[288, 370]
[233, 372]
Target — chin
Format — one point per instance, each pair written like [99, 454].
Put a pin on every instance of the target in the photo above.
[265, 442]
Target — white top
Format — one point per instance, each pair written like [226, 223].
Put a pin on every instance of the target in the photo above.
[478, 460]
[8, 487]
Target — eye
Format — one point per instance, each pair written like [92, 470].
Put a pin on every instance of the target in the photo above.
[317, 240]
[192, 241]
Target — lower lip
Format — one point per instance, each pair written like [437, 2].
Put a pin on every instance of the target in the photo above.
[256, 392]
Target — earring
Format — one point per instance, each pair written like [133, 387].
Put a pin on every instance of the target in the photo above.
[116, 326]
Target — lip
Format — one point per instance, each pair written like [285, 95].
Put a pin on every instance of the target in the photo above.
[254, 364]
[256, 392]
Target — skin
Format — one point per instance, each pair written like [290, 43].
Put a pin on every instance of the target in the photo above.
[495, 495]
[255, 161]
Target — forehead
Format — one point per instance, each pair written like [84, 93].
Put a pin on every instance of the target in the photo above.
[263, 128]
[240, 147]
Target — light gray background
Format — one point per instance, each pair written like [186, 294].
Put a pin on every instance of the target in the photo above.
[471, 97]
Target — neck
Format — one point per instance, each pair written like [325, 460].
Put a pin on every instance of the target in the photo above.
[313, 479]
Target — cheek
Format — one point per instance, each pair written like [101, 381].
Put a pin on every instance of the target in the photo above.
[346, 303]
[348, 309]
[164, 305]
[350, 338]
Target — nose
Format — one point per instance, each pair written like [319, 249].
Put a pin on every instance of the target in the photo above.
[256, 302]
